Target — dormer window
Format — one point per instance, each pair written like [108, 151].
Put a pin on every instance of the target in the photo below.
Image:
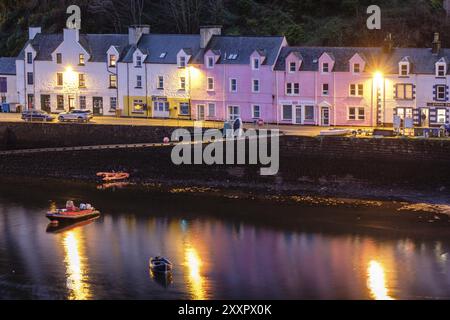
[138, 61]
[292, 67]
[112, 60]
[325, 67]
[256, 64]
[404, 69]
[81, 59]
[182, 62]
[210, 63]
[441, 70]
[58, 58]
[29, 57]
[356, 68]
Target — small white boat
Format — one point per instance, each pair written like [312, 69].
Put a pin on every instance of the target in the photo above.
[160, 265]
[336, 132]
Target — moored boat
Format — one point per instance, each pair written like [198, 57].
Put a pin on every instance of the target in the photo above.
[72, 213]
[160, 265]
[335, 132]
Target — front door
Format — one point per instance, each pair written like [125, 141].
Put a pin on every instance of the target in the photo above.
[71, 103]
[425, 117]
[201, 112]
[298, 115]
[325, 116]
[97, 105]
[45, 103]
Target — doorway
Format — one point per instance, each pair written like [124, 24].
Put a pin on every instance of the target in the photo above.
[71, 103]
[298, 115]
[45, 103]
[97, 105]
[325, 116]
[425, 117]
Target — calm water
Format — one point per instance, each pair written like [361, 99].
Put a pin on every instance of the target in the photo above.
[220, 248]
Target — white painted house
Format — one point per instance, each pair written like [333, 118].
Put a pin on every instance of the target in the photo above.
[57, 72]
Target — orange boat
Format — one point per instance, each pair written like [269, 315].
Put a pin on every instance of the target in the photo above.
[113, 176]
[72, 213]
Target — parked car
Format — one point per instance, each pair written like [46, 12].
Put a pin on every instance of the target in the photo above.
[36, 115]
[76, 115]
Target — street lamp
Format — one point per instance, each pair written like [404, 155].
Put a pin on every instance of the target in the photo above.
[378, 79]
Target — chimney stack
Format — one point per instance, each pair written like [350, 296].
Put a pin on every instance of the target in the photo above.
[388, 44]
[33, 31]
[207, 32]
[71, 35]
[135, 33]
[446, 6]
[436, 46]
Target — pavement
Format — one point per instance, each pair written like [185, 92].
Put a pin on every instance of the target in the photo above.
[105, 120]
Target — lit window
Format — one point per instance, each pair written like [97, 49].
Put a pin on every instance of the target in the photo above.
[356, 113]
[81, 62]
[356, 68]
[59, 79]
[404, 91]
[183, 83]
[138, 106]
[112, 60]
[441, 116]
[113, 81]
[81, 80]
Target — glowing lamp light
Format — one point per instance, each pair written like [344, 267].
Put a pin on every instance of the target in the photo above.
[378, 78]
[69, 75]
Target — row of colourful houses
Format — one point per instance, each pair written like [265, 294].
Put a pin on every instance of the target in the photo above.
[211, 76]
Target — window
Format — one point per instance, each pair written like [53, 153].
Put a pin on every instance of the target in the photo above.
[81, 80]
[138, 81]
[112, 60]
[356, 90]
[233, 112]
[356, 68]
[3, 99]
[287, 112]
[292, 67]
[81, 59]
[82, 102]
[184, 109]
[163, 55]
[441, 116]
[113, 103]
[441, 91]
[441, 70]
[60, 102]
[255, 86]
[405, 92]
[256, 64]
[138, 106]
[59, 79]
[138, 61]
[233, 85]
[404, 69]
[309, 113]
[58, 58]
[210, 62]
[404, 113]
[356, 113]
[256, 111]
[161, 106]
[325, 89]
[182, 83]
[292, 88]
[182, 62]
[29, 57]
[113, 81]
[30, 78]
[160, 84]
[325, 67]
[210, 84]
[211, 110]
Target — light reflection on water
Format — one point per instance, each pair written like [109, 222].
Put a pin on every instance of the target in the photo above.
[213, 259]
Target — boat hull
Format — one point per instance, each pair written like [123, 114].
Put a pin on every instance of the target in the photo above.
[52, 216]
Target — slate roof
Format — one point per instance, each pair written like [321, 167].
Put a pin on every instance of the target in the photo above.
[95, 44]
[243, 46]
[8, 66]
[422, 60]
[171, 44]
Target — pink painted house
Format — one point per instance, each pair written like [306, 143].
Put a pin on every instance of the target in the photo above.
[233, 76]
[326, 86]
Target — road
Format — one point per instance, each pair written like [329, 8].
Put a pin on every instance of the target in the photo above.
[105, 120]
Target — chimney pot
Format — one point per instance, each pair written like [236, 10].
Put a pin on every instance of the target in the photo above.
[436, 45]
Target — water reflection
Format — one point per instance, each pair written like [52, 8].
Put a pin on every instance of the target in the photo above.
[193, 264]
[377, 281]
[76, 268]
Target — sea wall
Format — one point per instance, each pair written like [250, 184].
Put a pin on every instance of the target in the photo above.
[338, 166]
